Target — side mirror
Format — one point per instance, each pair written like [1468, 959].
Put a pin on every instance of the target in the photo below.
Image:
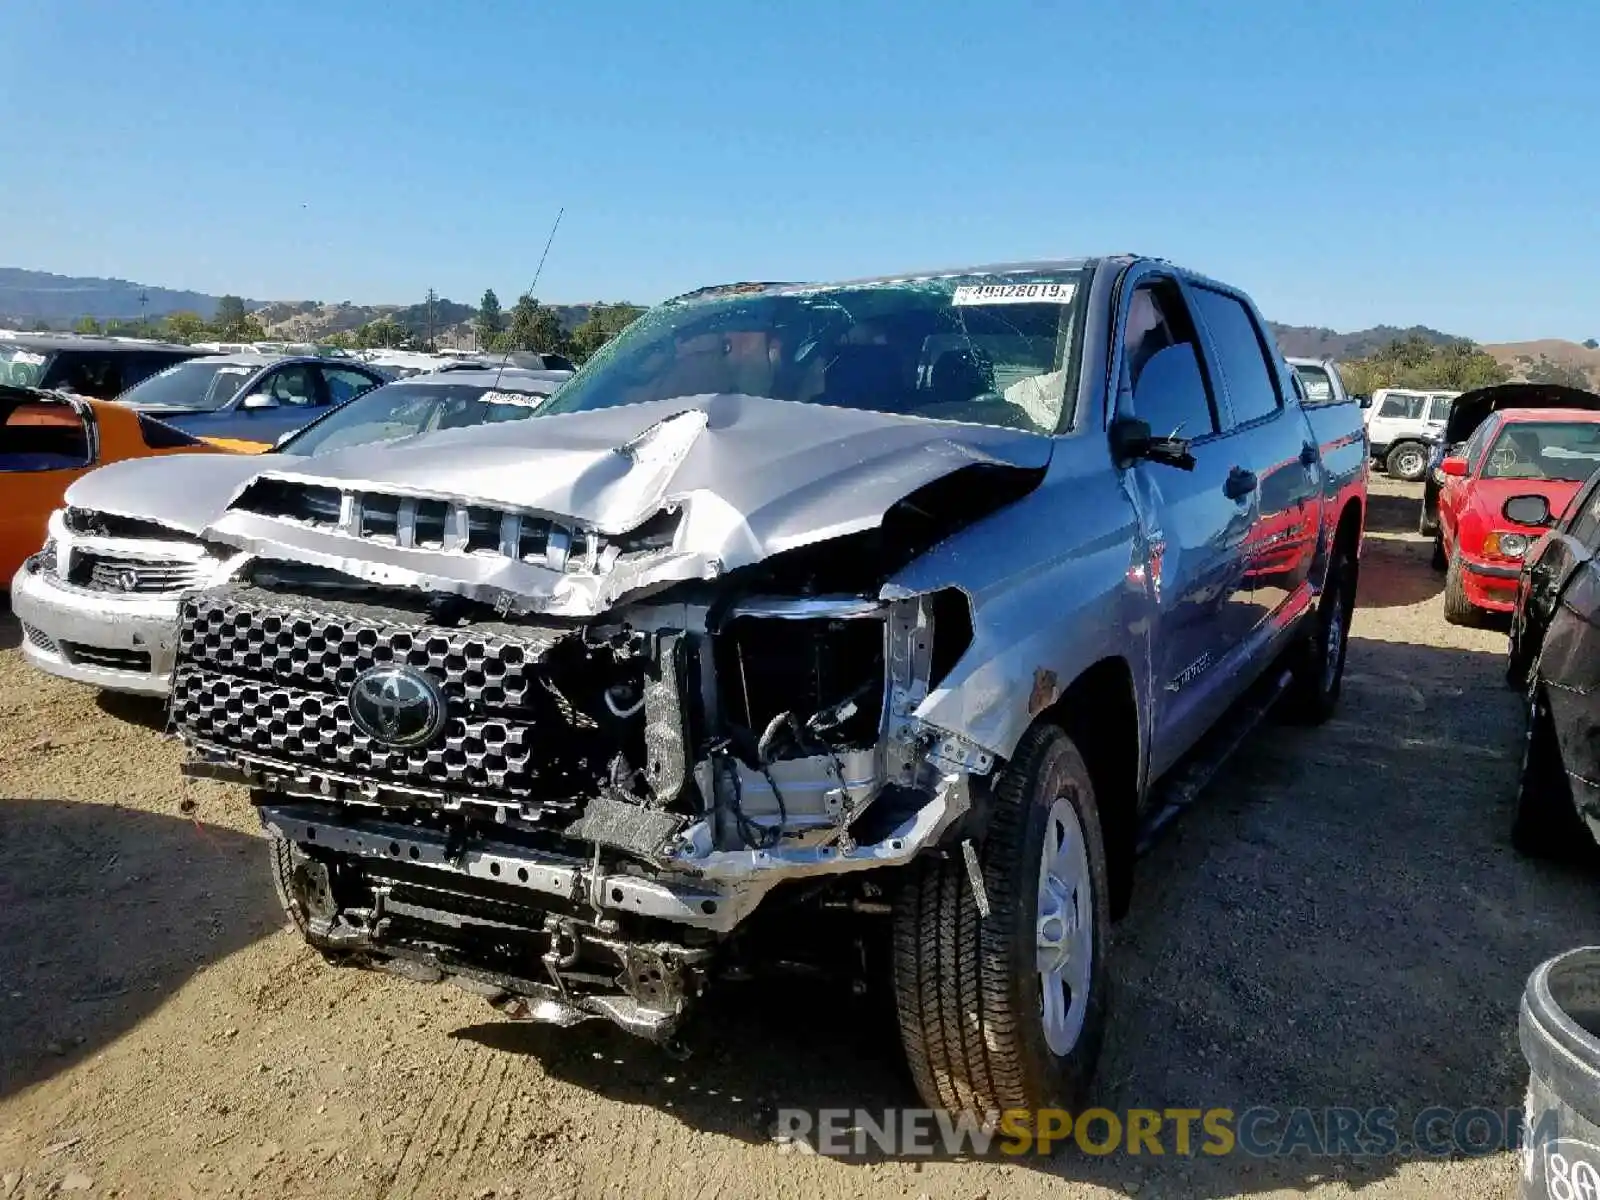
[1131, 440]
[258, 400]
[1455, 466]
[1170, 382]
[1364, 401]
[1528, 510]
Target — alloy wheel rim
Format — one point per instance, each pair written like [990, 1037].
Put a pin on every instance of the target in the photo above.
[1335, 641]
[1064, 928]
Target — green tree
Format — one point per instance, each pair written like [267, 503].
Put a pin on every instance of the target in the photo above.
[1414, 362]
[604, 322]
[385, 333]
[535, 327]
[86, 325]
[339, 341]
[491, 321]
[230, 318]
[185, 326]
[1591, 344]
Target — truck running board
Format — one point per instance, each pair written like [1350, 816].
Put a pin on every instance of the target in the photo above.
[1183, 784]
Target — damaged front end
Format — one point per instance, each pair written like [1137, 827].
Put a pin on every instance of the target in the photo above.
[573, 815]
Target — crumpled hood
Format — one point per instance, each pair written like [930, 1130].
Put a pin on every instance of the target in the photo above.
[184, 491]
[752, 476]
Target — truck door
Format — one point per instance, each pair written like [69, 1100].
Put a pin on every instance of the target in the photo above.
[1194, 523]
[1275, 441]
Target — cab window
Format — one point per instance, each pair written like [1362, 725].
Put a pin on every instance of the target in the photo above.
[38, 435]
[1247, 369]
[1157, 319]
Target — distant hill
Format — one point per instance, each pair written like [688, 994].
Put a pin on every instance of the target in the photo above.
[1551, 360]
[38, 296]
[1308, 341]
[34, 298]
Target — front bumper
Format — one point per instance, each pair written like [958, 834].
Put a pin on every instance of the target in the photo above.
[106, 641]
[1491, 586]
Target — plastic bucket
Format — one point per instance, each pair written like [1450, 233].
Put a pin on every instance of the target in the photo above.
[1559, 1029]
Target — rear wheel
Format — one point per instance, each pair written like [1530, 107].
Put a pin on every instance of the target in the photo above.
[1546, 825]
[1318, 665]
[1009, 1010]
[1458, 610]
[1407, 461]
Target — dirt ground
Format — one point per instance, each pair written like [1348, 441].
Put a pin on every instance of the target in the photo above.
[1340, 922]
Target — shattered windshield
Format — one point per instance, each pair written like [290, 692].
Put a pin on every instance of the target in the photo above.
[984, 349]
[386, 414]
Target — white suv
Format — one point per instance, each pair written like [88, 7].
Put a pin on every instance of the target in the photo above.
[1401, 423]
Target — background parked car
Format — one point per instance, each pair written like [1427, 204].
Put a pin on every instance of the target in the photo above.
[90, 366]
[1555, 655]
[49, 439]
[1470, 410]
[1400, 422]
[1517, 452]
[102, 606]
[250, 398]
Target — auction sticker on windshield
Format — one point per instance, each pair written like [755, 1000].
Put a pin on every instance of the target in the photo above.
[519, 398]
[1013, 293]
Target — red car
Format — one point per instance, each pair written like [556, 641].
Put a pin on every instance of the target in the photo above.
[1547, 452]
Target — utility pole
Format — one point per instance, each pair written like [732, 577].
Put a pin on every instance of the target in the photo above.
[432, 296]
[144, 311]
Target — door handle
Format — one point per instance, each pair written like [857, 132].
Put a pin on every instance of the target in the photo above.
[1240, 484]
[1308, 454]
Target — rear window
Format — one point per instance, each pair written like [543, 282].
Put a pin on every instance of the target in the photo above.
[1403, 406]
[39, 435]
[1319, 388]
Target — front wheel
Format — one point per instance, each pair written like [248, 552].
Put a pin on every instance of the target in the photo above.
[1458, 610]
[1008, 1011]
[1407, 461]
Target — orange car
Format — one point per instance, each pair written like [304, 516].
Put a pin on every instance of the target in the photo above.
[49, 439]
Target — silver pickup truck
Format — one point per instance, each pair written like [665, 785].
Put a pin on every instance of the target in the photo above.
[900, 601]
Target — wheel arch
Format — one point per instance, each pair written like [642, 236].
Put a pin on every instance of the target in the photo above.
[1100, 712]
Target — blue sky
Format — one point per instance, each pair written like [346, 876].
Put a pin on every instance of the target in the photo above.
[1349, 164]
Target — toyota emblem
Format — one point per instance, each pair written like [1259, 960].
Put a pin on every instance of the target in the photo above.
[398, 706]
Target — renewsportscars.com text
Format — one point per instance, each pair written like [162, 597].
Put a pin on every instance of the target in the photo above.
[1259, 1132]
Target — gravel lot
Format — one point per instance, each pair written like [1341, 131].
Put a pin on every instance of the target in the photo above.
[1341, 922]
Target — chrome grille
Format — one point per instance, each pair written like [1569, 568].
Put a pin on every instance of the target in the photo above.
[413, 522]
[426, 524]
[269, 676]
[134, 576]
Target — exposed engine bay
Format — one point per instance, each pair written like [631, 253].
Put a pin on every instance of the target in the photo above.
[572, 815]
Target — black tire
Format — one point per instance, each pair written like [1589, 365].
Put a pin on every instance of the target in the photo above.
[1318, 664]
[1427, 526]
[1407, 461]
[301, 883]
[967, 987]
[1547, 824]
[1440, 560]
[1458, 610]
[1518, 660]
